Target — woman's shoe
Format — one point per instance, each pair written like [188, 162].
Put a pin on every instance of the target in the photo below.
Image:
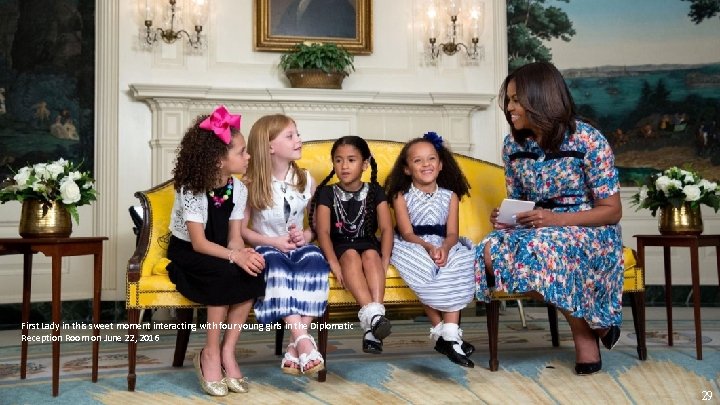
[611, 337]
[380, 328]
[371, 346]
[214, 388]
[588, 368]
[306, 358]
[289, 358]
[239, 385]
[447, 348]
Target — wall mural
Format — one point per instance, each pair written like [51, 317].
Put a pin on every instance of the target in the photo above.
[646, 71]
[47, 90]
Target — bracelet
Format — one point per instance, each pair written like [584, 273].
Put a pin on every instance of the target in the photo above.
[230, 256]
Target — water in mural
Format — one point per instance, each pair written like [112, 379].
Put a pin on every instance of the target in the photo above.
[646, 71]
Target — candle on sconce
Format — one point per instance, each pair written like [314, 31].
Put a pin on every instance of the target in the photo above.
[432, 25]
[146, 9]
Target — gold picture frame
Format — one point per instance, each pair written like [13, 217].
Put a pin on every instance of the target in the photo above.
[278, 28]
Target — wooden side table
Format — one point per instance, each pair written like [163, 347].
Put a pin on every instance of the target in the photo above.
[56, 248]
[690, 241]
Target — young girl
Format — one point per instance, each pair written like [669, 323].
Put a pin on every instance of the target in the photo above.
[348, 215]
[425, 187]
[210, 264]
[296, 272]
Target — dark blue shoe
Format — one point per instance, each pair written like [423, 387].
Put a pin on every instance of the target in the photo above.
[611, 337]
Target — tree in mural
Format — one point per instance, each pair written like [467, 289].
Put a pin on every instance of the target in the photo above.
[703, 10]
[529, 22]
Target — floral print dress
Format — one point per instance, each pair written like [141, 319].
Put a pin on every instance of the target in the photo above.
[577, 268]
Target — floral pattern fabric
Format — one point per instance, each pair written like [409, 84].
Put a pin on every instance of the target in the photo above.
[577, 268]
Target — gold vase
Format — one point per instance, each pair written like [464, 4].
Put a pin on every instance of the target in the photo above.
[684, 220]
[50, 221]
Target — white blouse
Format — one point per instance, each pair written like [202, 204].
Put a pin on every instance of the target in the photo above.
[194, 208]
[271, 220]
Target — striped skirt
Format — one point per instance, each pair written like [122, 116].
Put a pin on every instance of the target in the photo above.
[447, 289]
[296, 283]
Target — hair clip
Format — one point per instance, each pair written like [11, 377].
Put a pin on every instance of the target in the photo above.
[435, 139]
[220, 122]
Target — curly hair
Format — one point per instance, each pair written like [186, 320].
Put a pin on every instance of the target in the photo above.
[450, 177]
[197, 164]
[258, 177]
[549, 106]
[362, 146]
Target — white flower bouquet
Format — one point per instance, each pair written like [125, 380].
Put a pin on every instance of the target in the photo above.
[675, 187]
[59, 181]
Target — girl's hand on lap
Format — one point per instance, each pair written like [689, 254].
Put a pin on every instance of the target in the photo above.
[249, 260]
[283, 243]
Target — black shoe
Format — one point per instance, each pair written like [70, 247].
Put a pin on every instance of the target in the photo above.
[588, 368]
[380, 328]
[371, 346]
[446, 348]
[466, 347]
[611, 337]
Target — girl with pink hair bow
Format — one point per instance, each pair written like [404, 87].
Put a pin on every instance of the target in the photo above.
[209, 261]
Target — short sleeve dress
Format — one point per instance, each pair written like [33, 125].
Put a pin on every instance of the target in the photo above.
[201, 278]
[577, 268]
[449, 288]
[350, 226]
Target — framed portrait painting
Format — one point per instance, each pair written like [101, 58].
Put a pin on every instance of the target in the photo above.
[280, 24]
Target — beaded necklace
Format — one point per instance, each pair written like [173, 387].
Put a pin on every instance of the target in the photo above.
[219, 200]
[344, 224]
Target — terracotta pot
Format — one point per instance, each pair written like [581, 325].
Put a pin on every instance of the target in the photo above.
[684, 220]
[49, 221]
[315, 79]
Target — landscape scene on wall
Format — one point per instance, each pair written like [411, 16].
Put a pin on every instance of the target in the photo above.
[652, 88]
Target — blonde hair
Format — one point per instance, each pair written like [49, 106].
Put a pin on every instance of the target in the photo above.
[259, 173]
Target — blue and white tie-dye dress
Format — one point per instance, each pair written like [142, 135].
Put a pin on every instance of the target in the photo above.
[577, 268]
[297, 281]
[449, 288]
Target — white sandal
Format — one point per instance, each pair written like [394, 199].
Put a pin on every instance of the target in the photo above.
[306, 358]
[289, 358]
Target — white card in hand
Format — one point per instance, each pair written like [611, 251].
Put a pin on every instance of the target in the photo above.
[509, 208]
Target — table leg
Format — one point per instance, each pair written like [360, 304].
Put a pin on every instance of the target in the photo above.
[97, 286]
[56, 268]
[695, 269]
[668, 292]
[25, 316]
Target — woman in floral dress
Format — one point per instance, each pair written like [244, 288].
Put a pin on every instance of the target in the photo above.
[568, 249]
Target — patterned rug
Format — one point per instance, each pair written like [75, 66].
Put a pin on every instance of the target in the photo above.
[409, 371]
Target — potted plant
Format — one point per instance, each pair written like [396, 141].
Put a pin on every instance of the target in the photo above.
[678, 194]
[317, 65]
[50, 193]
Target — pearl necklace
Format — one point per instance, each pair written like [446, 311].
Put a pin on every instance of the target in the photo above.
[219, 200]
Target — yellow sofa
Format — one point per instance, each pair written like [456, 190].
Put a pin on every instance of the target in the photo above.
[148, 285]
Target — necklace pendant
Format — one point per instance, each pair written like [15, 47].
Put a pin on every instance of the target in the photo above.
[338, 224]
[353, 227]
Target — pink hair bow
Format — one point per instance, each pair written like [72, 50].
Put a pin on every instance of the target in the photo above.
[220, 122]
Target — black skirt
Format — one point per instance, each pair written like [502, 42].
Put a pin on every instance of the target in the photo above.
[207, 279]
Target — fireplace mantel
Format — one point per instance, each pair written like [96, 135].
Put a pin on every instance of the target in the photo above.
[319, 114]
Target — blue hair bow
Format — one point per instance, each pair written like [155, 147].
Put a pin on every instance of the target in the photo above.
[435, 139]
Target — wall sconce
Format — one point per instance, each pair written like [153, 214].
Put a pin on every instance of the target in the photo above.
[171, 18]
[474, 17]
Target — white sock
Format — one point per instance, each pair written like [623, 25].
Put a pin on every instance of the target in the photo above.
[436, 331]
[368, 312]
[450, 334]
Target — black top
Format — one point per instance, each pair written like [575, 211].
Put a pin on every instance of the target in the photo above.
[348, 212]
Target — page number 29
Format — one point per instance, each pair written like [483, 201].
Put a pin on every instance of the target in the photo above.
[707, 395]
